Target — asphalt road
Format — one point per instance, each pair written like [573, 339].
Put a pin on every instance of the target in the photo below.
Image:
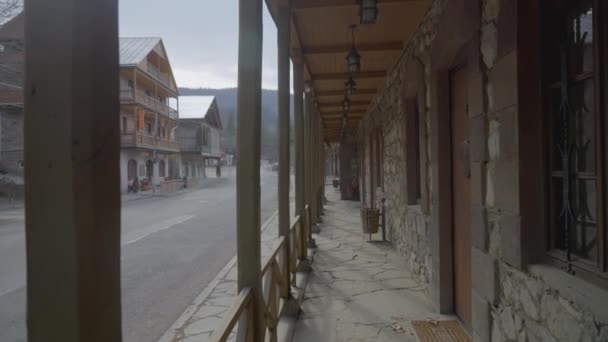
[171, 249]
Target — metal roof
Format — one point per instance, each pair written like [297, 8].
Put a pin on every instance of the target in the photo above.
[194, 107]
[134, 50]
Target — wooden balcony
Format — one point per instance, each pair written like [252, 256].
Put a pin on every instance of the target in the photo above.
[162, 77]
[141, 139]
[132, 96]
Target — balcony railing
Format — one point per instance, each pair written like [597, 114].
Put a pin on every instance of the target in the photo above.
[214, 150]
[164, 78]
[139, 97]
[275, 274]
[139, 138]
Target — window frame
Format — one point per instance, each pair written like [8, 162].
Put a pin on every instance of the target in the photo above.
[594, 271]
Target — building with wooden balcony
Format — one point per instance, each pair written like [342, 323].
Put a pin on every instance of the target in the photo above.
[148, 114]
[200, 127]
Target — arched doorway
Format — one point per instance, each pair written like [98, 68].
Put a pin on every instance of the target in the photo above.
[131, 169]
[161, 169]
[149, 169]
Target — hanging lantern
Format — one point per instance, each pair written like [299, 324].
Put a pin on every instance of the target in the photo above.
[353, 59]
[351, 86]
[346, 104]
[368, 11]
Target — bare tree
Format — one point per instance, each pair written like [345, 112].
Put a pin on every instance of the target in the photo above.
[9, 8]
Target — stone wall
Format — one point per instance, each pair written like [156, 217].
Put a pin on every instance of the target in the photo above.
[407, 225]
[514, 297]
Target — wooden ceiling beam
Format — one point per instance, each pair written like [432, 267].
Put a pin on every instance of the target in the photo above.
[325, 93]
[339, 112]
[339, 104]
[345, 75]
[334, 49]
[298, 5]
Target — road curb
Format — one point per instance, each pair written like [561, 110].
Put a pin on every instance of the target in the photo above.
[169, 334]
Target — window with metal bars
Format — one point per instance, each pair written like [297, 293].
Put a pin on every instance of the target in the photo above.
[573, 64]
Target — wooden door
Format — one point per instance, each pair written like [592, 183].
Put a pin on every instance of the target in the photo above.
[461, 195]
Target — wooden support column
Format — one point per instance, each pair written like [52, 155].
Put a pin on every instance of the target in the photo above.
[313, 166]
[283, 98]
[283, 42]
[298, 106]
[308, 162]
[249, 106]
[72, 176]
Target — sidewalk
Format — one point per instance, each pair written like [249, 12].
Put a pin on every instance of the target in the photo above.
[358, 291]
[204, 315]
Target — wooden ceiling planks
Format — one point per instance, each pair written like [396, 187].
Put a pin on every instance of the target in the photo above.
[321, 39]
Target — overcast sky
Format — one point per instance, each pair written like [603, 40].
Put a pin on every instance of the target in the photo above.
[201, 38]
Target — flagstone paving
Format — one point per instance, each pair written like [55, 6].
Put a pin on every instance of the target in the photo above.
[358, 291]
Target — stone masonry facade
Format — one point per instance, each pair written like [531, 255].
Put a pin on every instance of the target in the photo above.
[514, 297]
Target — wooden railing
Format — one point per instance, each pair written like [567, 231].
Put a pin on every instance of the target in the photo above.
[164, 78]
[275, 277]
[139, 138]
[140, 97]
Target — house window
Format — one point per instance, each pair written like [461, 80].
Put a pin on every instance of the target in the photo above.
[572, 58]
[412, 151]
[149, 128]
[124, 124]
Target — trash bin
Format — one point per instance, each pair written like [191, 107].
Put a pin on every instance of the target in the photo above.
[370, 220]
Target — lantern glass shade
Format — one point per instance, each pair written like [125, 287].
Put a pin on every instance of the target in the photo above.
[351, 86]
[368, 11]
[307, 87]
[353, 59]
[346, 104]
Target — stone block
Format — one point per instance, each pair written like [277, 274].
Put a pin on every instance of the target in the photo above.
[478, 135]
[489, 44]
[506, 185]
[503, 78]
[483, 269]
[479, 228]
[510, 239]
[490, 10]
[481, 319]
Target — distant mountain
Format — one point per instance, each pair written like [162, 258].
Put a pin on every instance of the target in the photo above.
[226, 101]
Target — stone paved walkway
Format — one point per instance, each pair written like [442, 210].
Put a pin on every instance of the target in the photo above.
[358, 291]
[201, 319]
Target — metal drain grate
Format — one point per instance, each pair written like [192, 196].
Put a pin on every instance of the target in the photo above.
[440, 331]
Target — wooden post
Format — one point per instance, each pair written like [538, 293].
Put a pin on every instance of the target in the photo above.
[249, 105]
[298, 105]
[308, 164]
[283, 48]
[72, 139]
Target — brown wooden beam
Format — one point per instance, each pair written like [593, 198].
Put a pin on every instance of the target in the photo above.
[339, 104]
[334, 49]
[345, 75]
[312, 4]
[324, 93]
[339, 112]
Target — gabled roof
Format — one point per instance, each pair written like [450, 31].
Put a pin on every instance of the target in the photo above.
[200, 107]
[134, 50]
